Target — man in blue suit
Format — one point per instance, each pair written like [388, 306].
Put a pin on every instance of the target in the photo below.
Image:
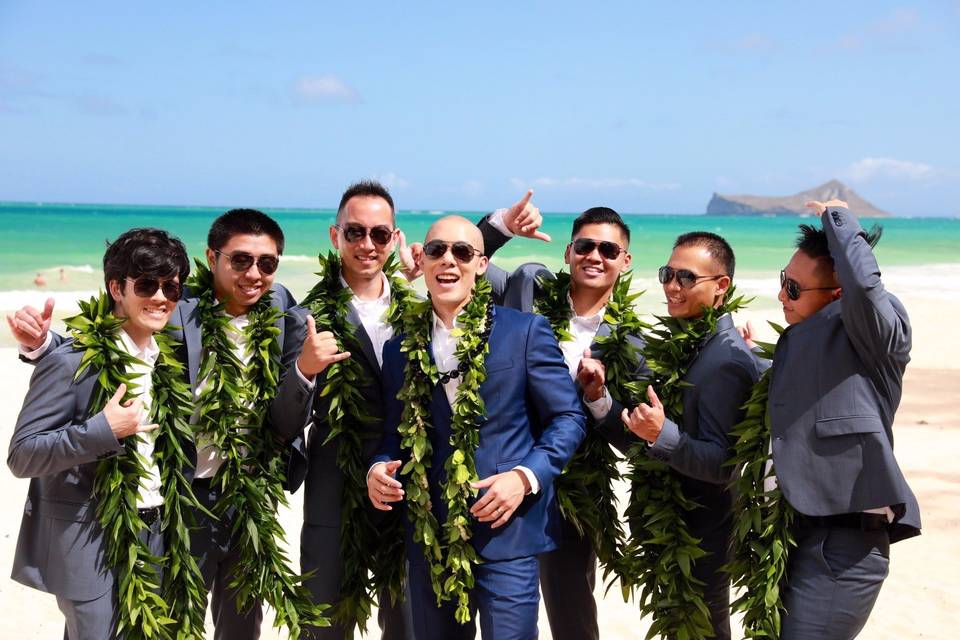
[533, 426]
[836, 383]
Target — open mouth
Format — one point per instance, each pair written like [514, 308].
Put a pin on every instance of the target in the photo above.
[591, 270]
[675, 300]
[448, 278]
[249, 290]
[365, 260]
[156, 313]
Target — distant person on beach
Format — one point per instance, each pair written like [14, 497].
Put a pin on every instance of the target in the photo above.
[505, 420]
[836, 383]
[40, 282]
[60, 438]
[63, 275]
[597, 255]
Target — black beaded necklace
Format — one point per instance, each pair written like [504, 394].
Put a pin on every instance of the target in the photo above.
[453, 374]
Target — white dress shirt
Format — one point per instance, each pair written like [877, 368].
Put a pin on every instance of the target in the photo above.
[444, 355]
[584, 331]
[149, 495]
[373, 317]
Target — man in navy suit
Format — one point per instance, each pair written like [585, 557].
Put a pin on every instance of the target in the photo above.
[532, 428]
[836, 383]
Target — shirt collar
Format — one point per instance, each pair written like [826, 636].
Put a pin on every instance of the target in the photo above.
[593, 321]
[384, 297]
[148, 354]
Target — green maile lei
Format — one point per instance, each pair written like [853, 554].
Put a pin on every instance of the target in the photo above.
[585, 489]
[658, 557]
[232, 408]
[147, 606]
[373, 554]
[448, 551]
[762, 520]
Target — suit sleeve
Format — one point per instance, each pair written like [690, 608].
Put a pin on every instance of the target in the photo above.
[719, 405]
[877, 327]
[394, 365]
[290, 409]
[556, 404]
[46, 439]
[53, 340]
[611, 427]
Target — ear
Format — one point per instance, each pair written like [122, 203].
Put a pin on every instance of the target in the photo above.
[482, 265]
[334, 234]
[567, 253]
[836, 293]
[211, 258]
[115, 291]
[723, 285]
[627, 261]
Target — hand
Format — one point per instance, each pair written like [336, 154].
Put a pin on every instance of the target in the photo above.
[747, 333]
[124, 417]
[646, 420]
[411, 258]
[591, 376]
[523, 219]
[320, 350]
[820, 207]
[382, 487]
[30, 327]
[505, 492]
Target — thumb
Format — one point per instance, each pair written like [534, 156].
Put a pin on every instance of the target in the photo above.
[750, 330]
[587, 353]
[652, 395]
[47, 309]
[486, 482]
[392, 466]
[311, 326]
[118, 395]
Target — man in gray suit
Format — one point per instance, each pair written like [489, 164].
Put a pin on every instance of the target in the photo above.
[58, 443]
[836, 383]
[243, 253]
[719, 381]
[597, 255]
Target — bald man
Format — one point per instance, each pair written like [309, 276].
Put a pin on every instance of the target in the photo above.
[527, 383]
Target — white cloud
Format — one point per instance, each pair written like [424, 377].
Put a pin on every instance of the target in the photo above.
[593, 183]
[891, 31]
[392, 181]
[325, 89]
[870, 168]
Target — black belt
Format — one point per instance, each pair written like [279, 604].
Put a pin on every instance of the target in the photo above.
[149, 516]
[862, 521]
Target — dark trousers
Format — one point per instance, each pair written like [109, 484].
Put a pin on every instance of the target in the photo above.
[505, 599]
[97, 619]
[834, 576]
[320, 553]
[567, 579]
[211, 544]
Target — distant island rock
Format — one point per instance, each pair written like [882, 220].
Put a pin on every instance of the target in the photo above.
[721, 205]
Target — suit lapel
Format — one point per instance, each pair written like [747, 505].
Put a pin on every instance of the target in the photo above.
[366, 344]
[602, 332]
[190, 317]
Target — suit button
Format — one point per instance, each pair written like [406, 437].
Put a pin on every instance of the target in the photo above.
[778, 438]
[837, 218]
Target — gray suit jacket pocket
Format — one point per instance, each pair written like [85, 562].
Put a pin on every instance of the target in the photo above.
[847, 425]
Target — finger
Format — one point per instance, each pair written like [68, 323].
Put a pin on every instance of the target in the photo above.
[390, 494]
[503, 519]
[388, 481]
[490, 510]
[146, 427]
[625, 416]
[482, 503]
[47, 309]
[402, 240]
[540, 235]
[654, 400]
[750, 330]
[380, 505]
[121, 391]
[32, 314]
[522, 202]
[336, 357]
[483, 484]
[13, 326]
[391, 467]
[311, 326]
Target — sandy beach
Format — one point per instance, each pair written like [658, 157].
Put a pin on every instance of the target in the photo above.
[925, 571]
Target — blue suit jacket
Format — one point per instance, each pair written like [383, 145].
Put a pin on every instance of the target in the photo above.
[836, 385]
[533, 420]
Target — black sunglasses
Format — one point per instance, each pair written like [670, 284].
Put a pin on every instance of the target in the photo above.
[685, 278]
[241, 261]
[147, 287]
[609, 250]
[794, 289]
[380, 234]
[462, 251]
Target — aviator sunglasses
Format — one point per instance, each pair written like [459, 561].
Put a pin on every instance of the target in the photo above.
[147, 287]
[794, 289]
[380, 234]
[462, 251]
[685, 278]
[609, 250]
[241, 261]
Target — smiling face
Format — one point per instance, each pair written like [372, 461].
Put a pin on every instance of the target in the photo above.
[145, 316]
[706, 292]
[449, 280]
[364, 258]
[241, 289]
[811, 274]
[593, 270]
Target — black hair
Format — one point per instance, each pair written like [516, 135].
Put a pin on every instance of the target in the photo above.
[243, 222]
[813, 241]
[718, 248]
[370, 188]
[144, 252]
[600, 215]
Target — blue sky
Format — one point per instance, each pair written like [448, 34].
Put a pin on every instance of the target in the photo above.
[641, 106]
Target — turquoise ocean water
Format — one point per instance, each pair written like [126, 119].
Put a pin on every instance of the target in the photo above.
[45, 238]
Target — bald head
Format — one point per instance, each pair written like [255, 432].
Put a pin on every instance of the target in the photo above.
[455, 229]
